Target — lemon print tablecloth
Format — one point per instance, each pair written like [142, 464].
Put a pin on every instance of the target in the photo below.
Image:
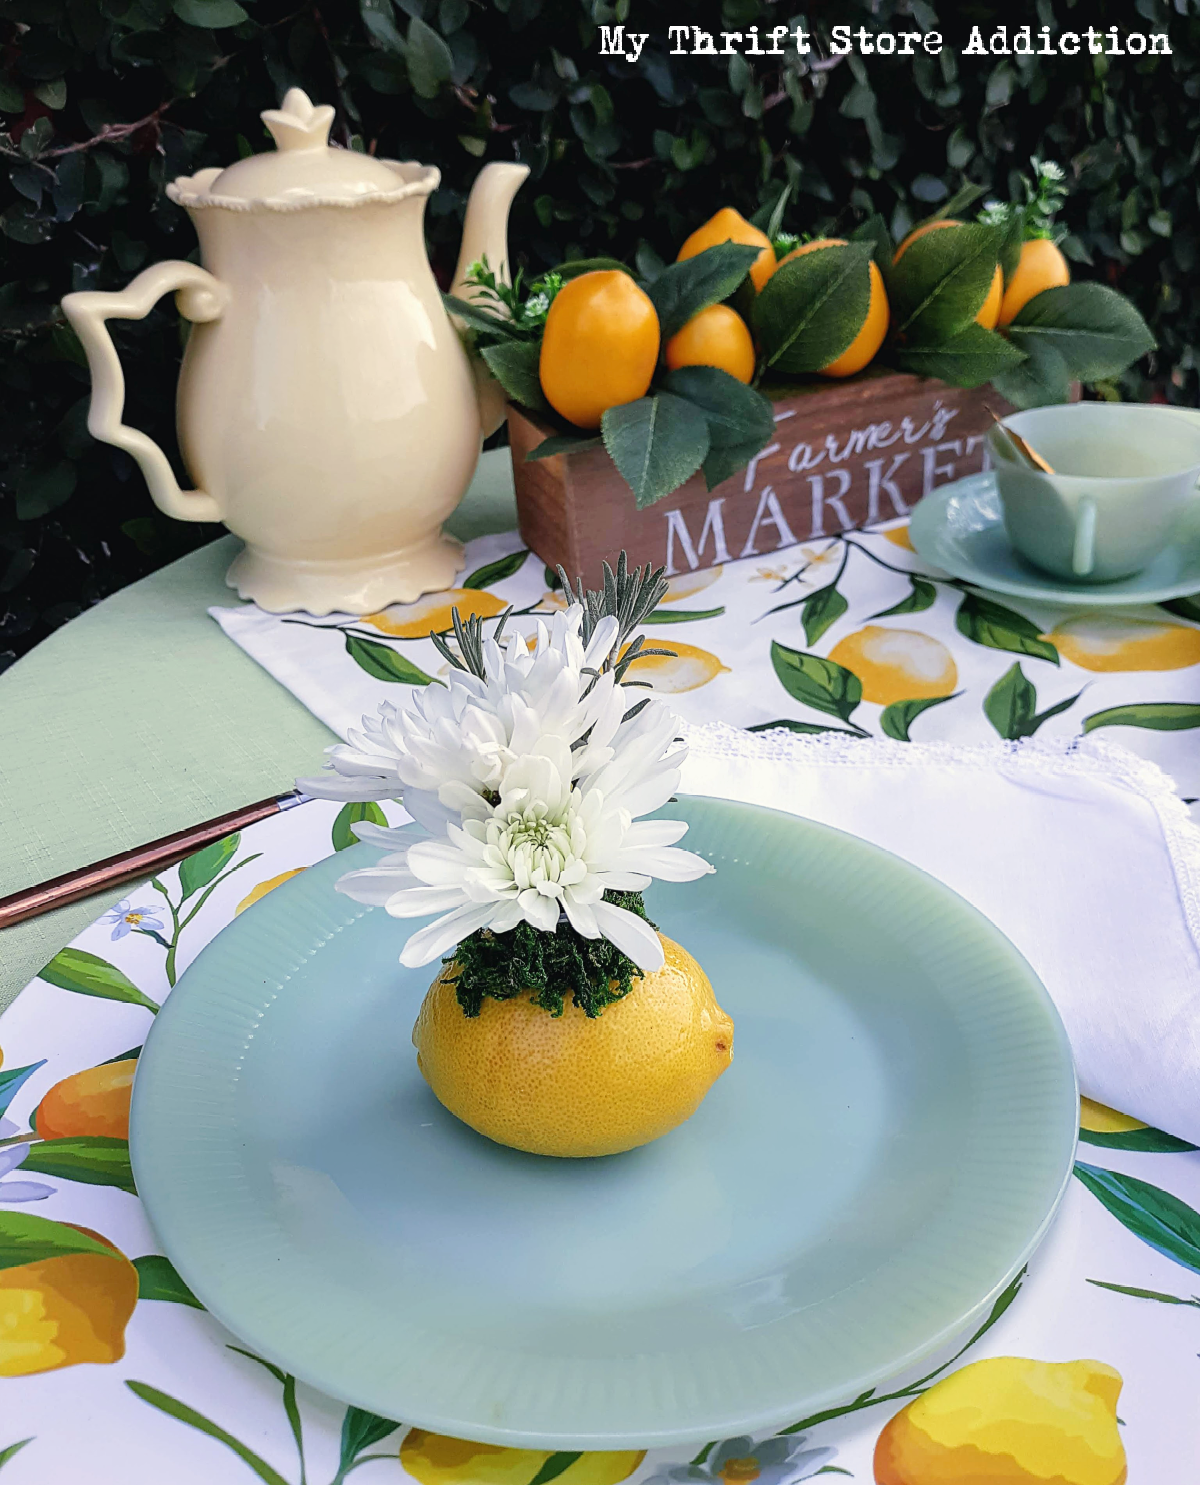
[1085, 1372]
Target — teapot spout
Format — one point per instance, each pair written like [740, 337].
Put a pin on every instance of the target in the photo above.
[485, 231]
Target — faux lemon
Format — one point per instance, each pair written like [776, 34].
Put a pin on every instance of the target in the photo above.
[1009, 1421]
[897, 664]
[576, 1085]
[688, 668]
[1104, 641]
[415, 620]
[435, 1459]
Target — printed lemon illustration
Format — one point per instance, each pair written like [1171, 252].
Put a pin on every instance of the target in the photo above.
[874, 328]
[1009, 1421]
[1041, 266]
[990, 311]
[256, 894]
[1100, 1119]
[897, 664]
[95, 1101]
[574, 1085]
[599, 347]
[1104, 641]
[415, 620]
[728, 225]
[717, 336]
[66, 1310]
[434, 1459]
[688, 583]
[687, 669]
[898, 536]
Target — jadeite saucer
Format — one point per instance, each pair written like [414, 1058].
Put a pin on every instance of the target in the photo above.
[884, 1154]
[959, 528]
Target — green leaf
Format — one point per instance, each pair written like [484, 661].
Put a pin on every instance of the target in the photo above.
[821, 609]
[682, 290]
[922, 596]
[380, 20]
[12, 1078]
[562, 443]
[198, 870]
[88, 974]
[736, 413]
[353, 814]
[577, 266]
[657, 443]
[212, 15]
[1010, 705]
[1146, 1140]
[875, 231]
[384, 664]
[497, 571]
[480, 317]
[822, 684]
[682, 615]
[1186, 608]
[1096, 331]
[788, 724]
[556, 1465]
[999, 628]
[360, 1430]
[967, 359]
[1167, 1224]
[165, 1403]
[939, 285]
[1040, 380]
[811, 308]
[896, 719]
[1165, 1299]
[430, 61]
[1159, 716]
[92, 1159]
[514, 364]
[25, 1238]
[7, 1453]
[1011, 243]
[157, 1279]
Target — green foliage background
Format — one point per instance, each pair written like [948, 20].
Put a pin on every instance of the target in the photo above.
[105, 101]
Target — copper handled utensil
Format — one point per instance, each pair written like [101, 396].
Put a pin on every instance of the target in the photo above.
[141, 861]
[1022, 445]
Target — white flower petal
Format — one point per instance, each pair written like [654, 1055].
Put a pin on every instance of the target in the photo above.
[631, 934]
[429, 943]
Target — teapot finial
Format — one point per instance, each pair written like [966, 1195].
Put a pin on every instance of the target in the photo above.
[297, 124]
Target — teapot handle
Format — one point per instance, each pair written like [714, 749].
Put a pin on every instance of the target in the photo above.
[200, 297]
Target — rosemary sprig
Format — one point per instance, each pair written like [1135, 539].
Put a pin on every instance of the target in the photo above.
[469, 636]
[628, 597]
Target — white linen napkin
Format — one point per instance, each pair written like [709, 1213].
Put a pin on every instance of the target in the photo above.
[1080, 853]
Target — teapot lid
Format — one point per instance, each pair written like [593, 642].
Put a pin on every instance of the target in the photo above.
[304, 170]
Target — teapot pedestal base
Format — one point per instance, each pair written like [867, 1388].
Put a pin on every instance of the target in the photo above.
[359, 585]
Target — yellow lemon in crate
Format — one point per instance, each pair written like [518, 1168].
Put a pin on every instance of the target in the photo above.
[94, 1101]
[433, 611]
[1009, 1421]
[897, 664]
[1041, 266]
[728, 225]
[65, 1310]
[717, 336]
[687, 669]
[600, 346]
[256, 894]
[577, 1085]
[435, 1459]
[1104, 641]
[990, 311]
[874, 328]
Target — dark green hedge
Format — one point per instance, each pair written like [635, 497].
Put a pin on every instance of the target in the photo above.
[104, 101]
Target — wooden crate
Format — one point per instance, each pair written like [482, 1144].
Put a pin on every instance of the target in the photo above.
[844, 454]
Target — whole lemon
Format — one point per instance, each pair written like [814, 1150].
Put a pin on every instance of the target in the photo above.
[436, 1459]
[95, 1101]
[575, 1085]
[865, 345]
[599, 346]
[989, 311]
[717, 336]
[1009, 1421]
[897, 664]
[1041, 266]
[728, 225]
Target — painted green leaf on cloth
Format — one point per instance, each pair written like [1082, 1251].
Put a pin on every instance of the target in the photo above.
[497, 571]
[922, 596]
[94, 1159]
[682, 615]
[383, 663]
[1146, 1140]
[25, 1238]
[789, 724]
[556, 1465]
[165, 1403]
[1167, 1224]
[1163, 1299]
[657, 443]
[810, 309]
[353, 814]
[683, 289]
[1011, 705]
[822, 684]
[11, 1080]
[157, 1279]
[12, 1449]
[821, 609]
[989, 623]
[87, 974]
[896, 719]
[198, 870]
[1159, 716]
[360, 1430]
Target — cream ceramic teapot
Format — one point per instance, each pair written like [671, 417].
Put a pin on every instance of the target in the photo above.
[327, 409]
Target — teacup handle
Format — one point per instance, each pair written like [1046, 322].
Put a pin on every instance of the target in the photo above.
[199, 296]
[1083, 554]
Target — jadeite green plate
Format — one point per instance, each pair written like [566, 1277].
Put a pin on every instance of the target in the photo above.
[959, 527]
[882, 1157]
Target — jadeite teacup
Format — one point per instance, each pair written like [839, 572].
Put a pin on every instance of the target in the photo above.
[1122, 474]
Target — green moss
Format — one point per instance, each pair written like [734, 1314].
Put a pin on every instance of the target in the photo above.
[547, 966]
